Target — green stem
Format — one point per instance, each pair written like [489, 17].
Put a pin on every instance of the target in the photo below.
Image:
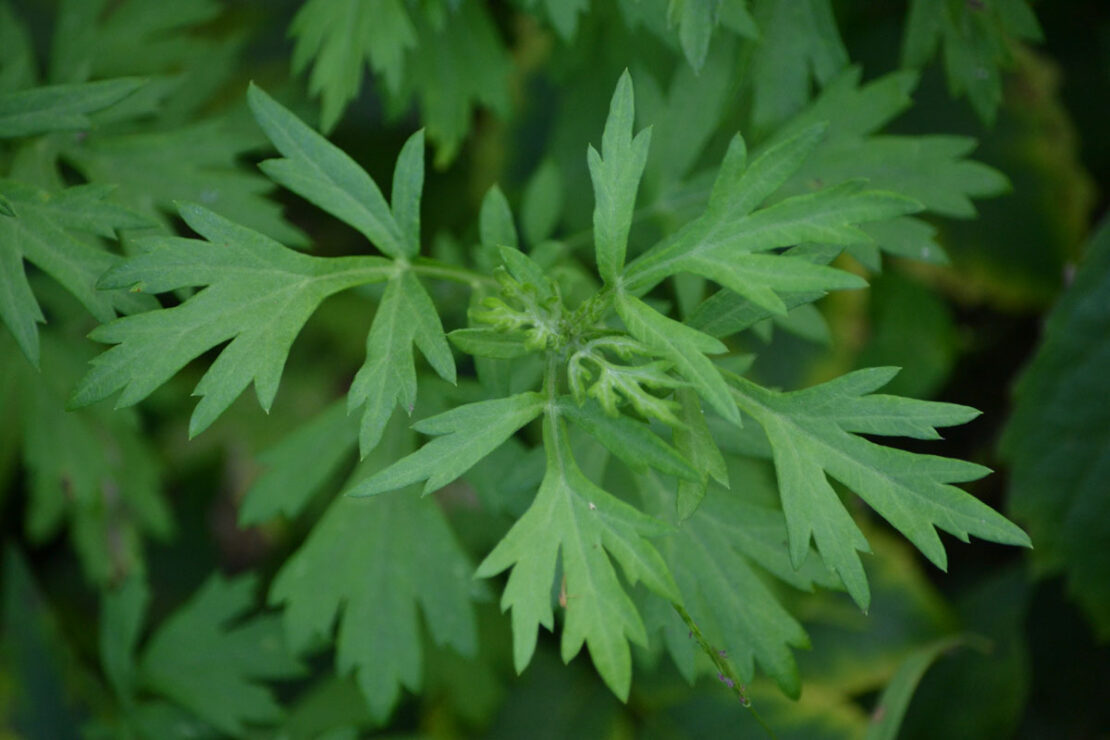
[551, 378]
[725, 672]
[436, 270]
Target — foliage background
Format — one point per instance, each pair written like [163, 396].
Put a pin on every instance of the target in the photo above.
[963, 333]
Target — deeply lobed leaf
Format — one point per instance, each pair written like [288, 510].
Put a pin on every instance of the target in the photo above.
[814, 432]
[574, 517]
[733, 228]
[257, 294]
[40, 227]
[365, 570]
[339, 36]
[206, 658]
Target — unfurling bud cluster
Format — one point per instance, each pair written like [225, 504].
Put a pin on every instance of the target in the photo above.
[523, 306]
[618, 383]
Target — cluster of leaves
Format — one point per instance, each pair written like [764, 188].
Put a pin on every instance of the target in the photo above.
[596, 402]
[136, 142]
[447, 55]
[258, 294]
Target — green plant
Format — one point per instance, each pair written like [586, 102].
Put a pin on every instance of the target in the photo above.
[611, 460]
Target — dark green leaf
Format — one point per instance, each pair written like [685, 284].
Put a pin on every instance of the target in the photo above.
[1058, 441]
[122, 612]
[495, 220]
[542, 204]
[198, 659]
[976, 40]
[339, 36]
[886, 719]
[298, 465]
[798, 41]
[323, 174]
[41, 110]
[462, 64]
[367, 566]
[40, 230]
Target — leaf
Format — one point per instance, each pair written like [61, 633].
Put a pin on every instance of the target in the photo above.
[986, 690]
[41, 230]
[931, 169]
[719, 557]
[934, 170]
[165, 142]
[616, 179]
[573, 516]
[677, 138]
[929, 352]
[563, 15]
[725, 313]
[694, 440]
[92, 474]
[406, 316]
[18, 67]
[464, 435]
[122, 611]
[463, 63]
[257, 293]
[36, 656]
[542, 204]
[492, 343]
[886, 719]
[338, 36]
[197, 162]
[760, 277]
[41, 110]
[732, 226]
[632, 441]
[495, 220]
[798, 41]
[684, 347]
[299, 465]
[815, 431]
[696, 21]
[408, 186]
[324, 175]
[367, 565]
[99, 39]
[1058, 440]
[197, 659]
[975, 40]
